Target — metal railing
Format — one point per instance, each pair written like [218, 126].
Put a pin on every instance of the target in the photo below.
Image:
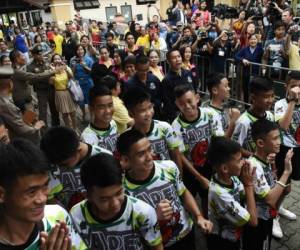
[235, 71]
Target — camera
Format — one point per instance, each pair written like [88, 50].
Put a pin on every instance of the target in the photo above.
[223, 11]
[230, 35]
[202, 34]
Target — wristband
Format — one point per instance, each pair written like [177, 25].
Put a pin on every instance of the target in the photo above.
[281, 184]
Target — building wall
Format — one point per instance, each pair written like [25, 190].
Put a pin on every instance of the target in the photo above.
[100, 14]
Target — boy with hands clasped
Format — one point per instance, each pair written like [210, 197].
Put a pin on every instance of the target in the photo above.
[226, 193]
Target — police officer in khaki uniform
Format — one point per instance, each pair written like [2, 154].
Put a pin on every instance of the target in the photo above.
[45, 92]
[11, 114]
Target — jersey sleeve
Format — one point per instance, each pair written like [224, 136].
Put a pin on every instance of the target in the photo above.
[261, 185]
[55, 186]
[172, 138]
[177, 130]
[240, 133]
[62, 215]
[228, 208]
[279, 110]
[149, 226]
[179, 182]
[89, 137]
[217, 128]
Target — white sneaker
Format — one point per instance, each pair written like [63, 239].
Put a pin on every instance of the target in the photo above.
[287, 214]
[276, 230]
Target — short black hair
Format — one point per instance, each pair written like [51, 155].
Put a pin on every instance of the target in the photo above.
[13, 55]
[260, 84]
[109, 34]
[127, 139]
[142, 60]
[293, 75]
[213, 80]
[109, 81]
[181, 89]
[131, 59]
[278, 24]
[261, 127]
[101, 170]
[168, 54]
[84, 36]
[20, 158]
[221, 150]
[98, 90]
[59, 144]
[134, 96]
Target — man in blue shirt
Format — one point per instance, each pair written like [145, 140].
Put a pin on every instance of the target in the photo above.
[176, 76]
[146, 80]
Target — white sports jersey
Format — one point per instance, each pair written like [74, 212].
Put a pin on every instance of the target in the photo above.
[164, 183]
[196, 135]
[65, 184]
[103, 138]
[263, 183]
[242, 130]
[222, 114]
[52, 215]
[225, 210]
[162, 138]
[135, 228]
[291, 137]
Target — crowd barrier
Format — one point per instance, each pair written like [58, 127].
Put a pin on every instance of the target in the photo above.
[236, 72]
[240, 74]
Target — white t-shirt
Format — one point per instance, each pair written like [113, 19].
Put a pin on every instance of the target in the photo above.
[225, 210]
[164, 183]
[103, 138]
[135, 227]
[242, 130]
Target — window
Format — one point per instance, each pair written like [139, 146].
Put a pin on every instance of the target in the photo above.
[86, 4]
[126, 12]
[145, 1]
[110, 13]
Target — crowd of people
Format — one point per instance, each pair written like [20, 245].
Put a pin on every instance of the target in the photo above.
[104, 146]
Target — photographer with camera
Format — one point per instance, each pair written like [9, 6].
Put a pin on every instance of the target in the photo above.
[223, 46]
[273, 10]
[187, 37]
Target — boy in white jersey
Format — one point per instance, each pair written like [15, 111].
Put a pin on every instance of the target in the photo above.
[261, 99]
[287, 114]
[164, 141]
[219, 90]
[227, 194]
[159, 184]
[64, 150]
[27, 223]
[269, 192]
[103, 130]
[108, 219]
[195, 126]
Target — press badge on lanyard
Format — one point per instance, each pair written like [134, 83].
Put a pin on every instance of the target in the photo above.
[221, 52]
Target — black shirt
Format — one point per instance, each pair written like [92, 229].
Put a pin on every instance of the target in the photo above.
[171, 80]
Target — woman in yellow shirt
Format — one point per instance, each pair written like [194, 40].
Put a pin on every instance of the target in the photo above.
[63, 99]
